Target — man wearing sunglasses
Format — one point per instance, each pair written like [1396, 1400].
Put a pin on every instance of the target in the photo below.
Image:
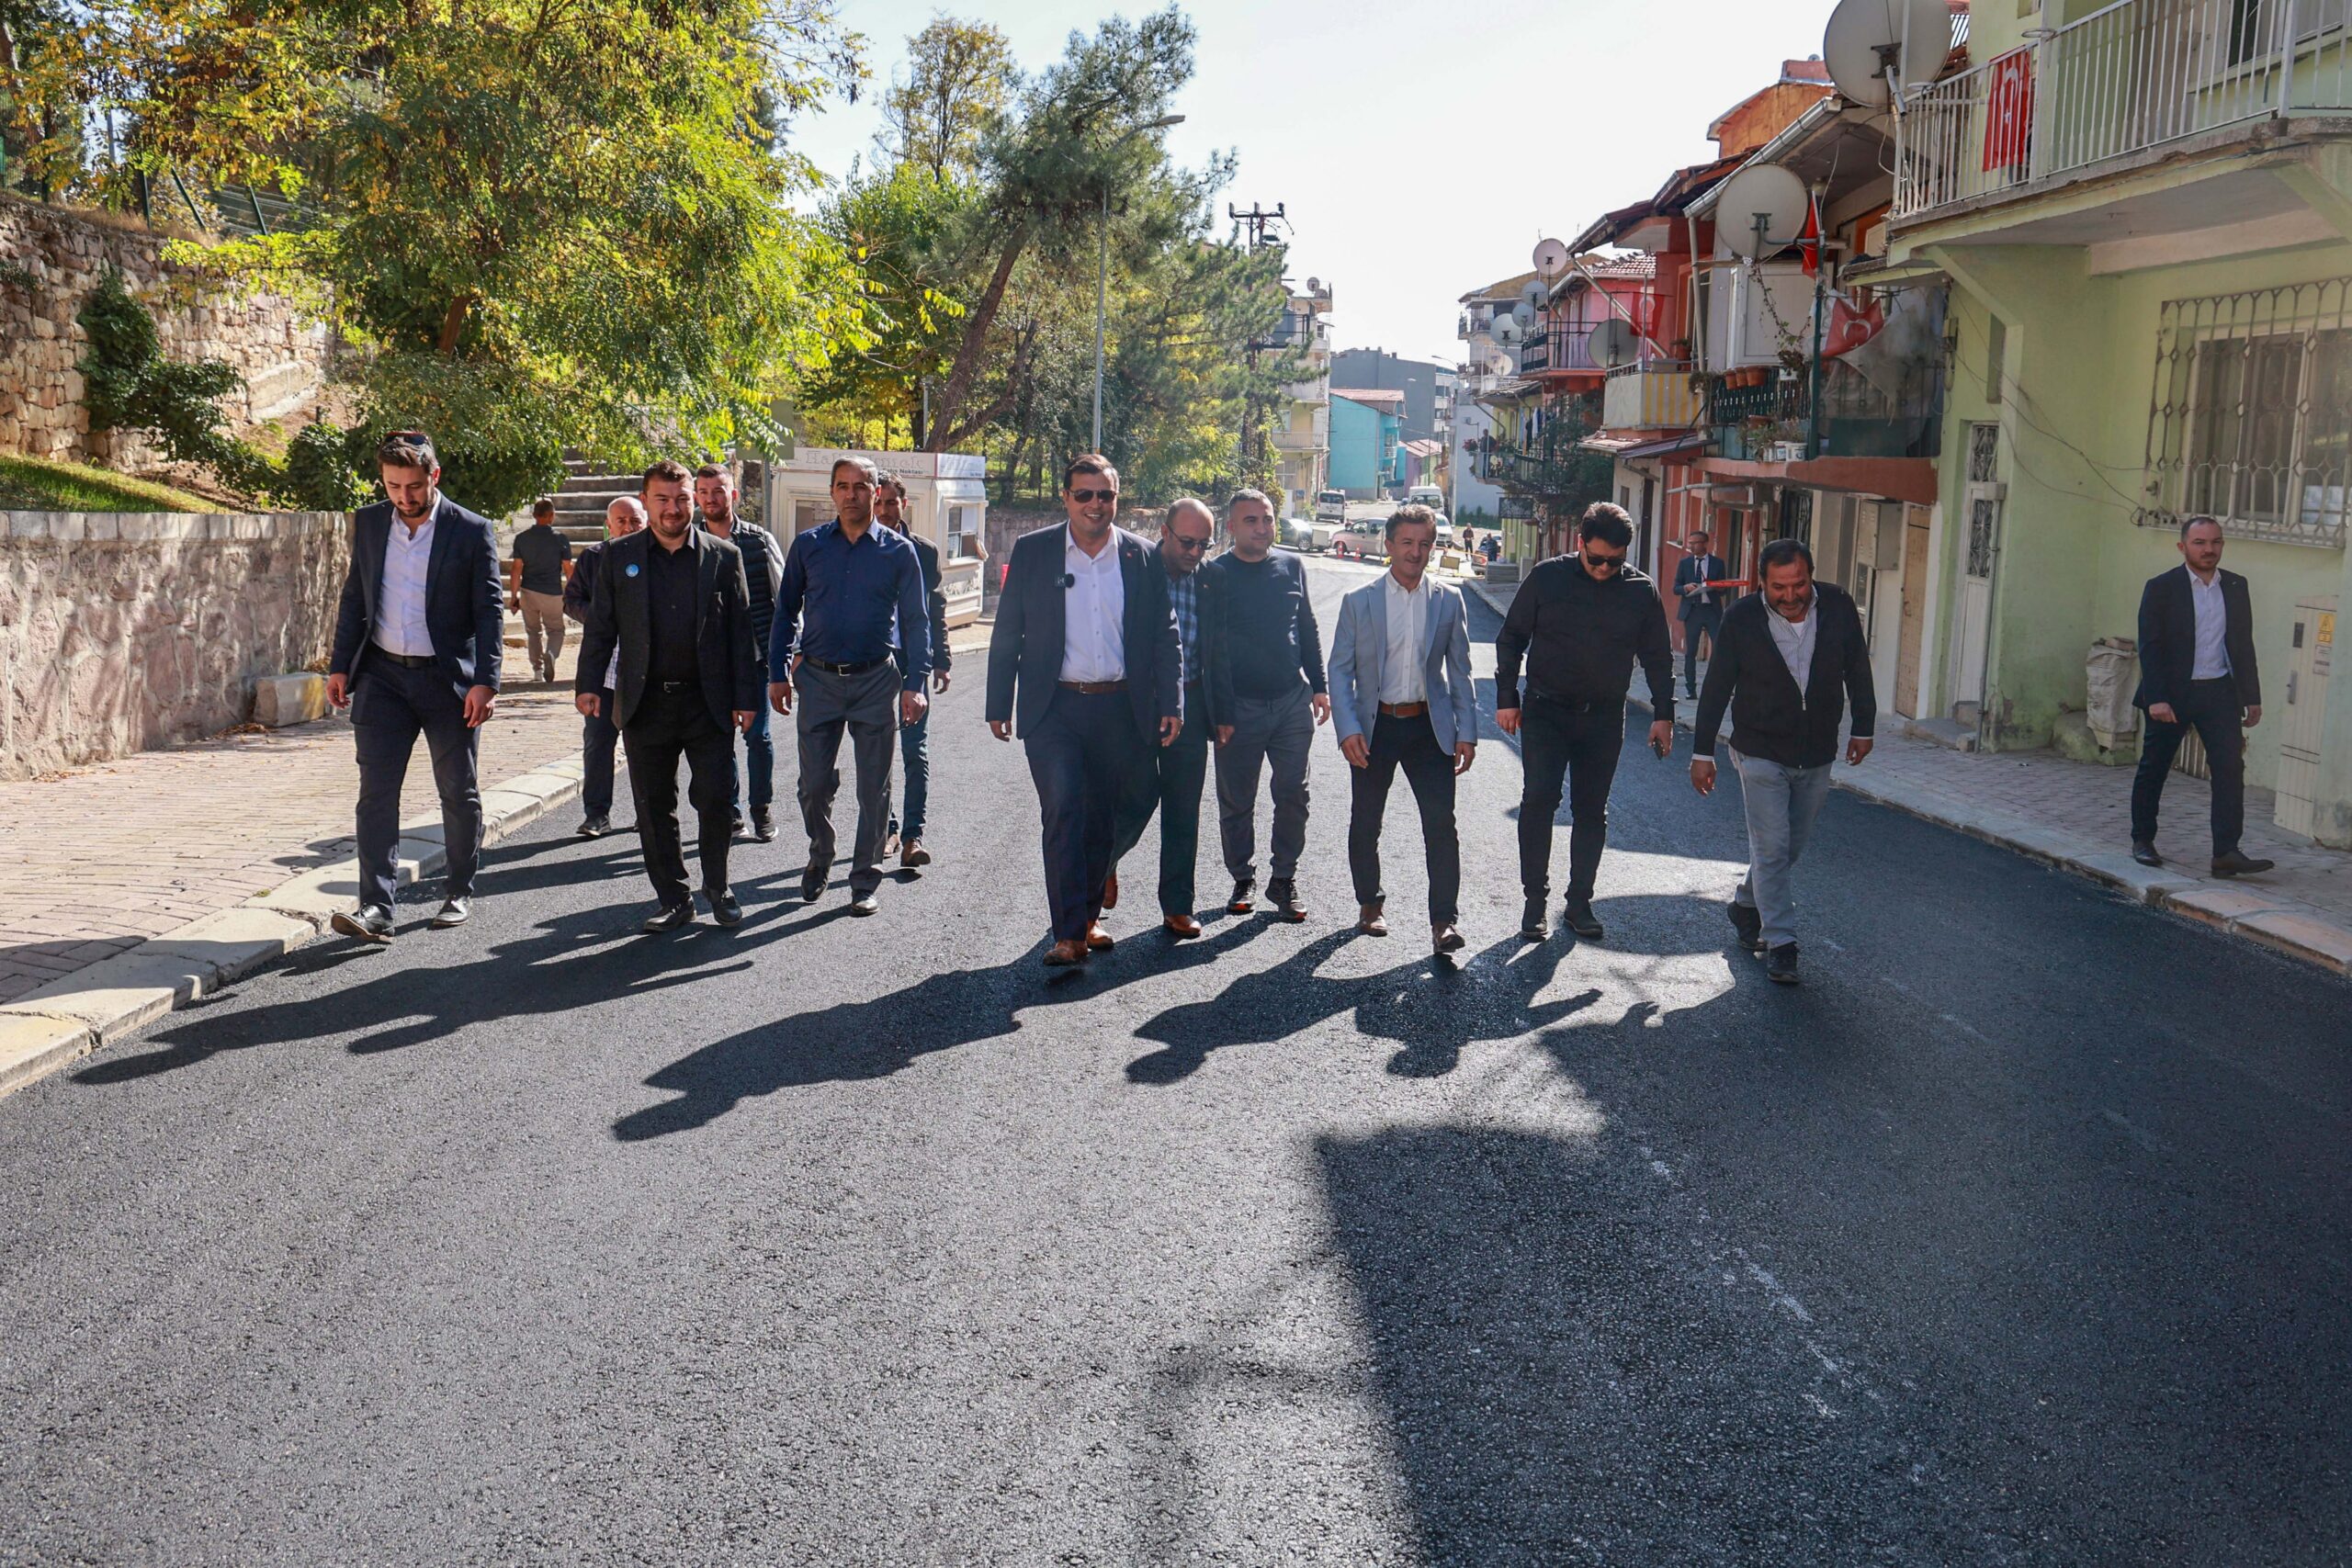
[1174, 786]
[1083, 657]
[1579, 622]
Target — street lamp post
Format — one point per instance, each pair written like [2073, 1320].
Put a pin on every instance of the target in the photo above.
[1102, 271]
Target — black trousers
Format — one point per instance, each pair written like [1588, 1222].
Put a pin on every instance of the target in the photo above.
[1411, 744]
[598, 737]
[1578, 743]
[1086, 759]
[2211, 709]
[666, 727]
[390, 707]
[1171, 783]
[1707, 618]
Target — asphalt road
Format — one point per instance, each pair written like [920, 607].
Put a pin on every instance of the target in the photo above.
[2017, 1234]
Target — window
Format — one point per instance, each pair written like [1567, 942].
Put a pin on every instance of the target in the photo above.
[964, 532]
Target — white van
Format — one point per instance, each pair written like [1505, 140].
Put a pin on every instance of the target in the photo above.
[1430, 496]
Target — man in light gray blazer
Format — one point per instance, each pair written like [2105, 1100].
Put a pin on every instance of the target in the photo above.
[1401, 697]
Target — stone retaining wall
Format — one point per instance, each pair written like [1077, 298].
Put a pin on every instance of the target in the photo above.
[52, 260]
[125, 631]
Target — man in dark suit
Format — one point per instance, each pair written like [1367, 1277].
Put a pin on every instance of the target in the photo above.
[2197, 671]
[1084, 652]
[418, 639]
[1702, 607]
[1790, 660]
[1174, 774]
[599, 736]
[905, 838]
[673, 602]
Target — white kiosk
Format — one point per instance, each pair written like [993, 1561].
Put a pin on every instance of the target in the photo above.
[946, 503]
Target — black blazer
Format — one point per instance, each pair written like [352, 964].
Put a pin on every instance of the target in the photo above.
[1688, 570]
[2169, 638]
[734, 671]
[465, 601]
[1026, 648]
[935, 597]
[1770, 719]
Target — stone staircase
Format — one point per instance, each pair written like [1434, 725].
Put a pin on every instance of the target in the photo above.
[587, 491]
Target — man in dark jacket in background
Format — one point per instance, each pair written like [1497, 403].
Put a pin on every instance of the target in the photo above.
[763, 571]
[1786, 664]
[599, 736]
[905, 838]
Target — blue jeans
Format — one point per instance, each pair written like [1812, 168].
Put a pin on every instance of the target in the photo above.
[759, 761]
[1781, 803]
[914, 754]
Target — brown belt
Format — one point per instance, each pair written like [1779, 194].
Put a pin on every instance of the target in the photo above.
[1091, 688]
[1404, 710]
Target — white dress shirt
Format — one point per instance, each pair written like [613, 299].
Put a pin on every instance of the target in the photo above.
[1706, 570]
[400, 602]
[2212, 627]
[1094, 608]
[1795, 640]
[1408, 619]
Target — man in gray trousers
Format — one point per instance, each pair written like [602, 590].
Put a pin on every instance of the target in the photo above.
[863, 589]
[1264, 658]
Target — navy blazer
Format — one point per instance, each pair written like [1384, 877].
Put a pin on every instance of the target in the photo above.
[2169, 638]
[465, 601]
[1689, 570]
[1026, 648]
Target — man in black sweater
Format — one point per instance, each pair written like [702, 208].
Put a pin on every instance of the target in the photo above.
[1788, 662]
[1264, 659]
[762, 573]
[1579, 622]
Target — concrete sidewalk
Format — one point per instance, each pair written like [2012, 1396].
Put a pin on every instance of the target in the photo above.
[2078, 816]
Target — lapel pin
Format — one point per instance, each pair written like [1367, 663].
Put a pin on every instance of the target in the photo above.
[632, 569]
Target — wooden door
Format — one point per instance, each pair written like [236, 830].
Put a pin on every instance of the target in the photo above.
[1915, 611]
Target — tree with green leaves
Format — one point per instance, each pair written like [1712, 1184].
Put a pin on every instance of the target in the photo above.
[960, 80]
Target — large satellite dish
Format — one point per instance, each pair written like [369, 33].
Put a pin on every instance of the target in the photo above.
[1507, 331]
[1536, 294]
[1761, 209]
[1551, 257]
[1867, 39]
[1502, 365]
[1613, 342]
[1524, 314]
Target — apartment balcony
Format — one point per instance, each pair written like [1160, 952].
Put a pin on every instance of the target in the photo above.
[2128, 84]
[1772, 419]
[1555, 349]
[1656, 396]
[1555, 466]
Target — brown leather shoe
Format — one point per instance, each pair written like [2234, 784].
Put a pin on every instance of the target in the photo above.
[1446, 939]
[1111, 889]
[1183, 928]
[1063, 954]
[1097, 938]
[1369, 921]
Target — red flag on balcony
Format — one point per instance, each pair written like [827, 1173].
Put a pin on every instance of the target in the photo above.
[1849, 327]
[2008, 110]
[1809, 237]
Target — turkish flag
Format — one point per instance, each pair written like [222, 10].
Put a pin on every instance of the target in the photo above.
[2008, 110]
[1851, 327]
[1809, 237]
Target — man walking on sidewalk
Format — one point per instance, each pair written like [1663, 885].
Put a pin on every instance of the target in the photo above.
[762, 572]
[418, 639]
[863, 589]
[1401, 697]
[905, 838]
[1579, 622]
[670, 602]
[1265, 662]
[538, 557]
[2197, 671]
[598, 734]
[1173, 777]
[1790, 660]
[1702, 607]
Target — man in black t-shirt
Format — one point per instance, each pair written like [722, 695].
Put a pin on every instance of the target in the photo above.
[541, 554]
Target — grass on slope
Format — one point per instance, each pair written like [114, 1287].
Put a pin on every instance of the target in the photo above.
[42, 484]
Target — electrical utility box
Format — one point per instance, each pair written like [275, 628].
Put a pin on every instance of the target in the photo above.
[2311, 649]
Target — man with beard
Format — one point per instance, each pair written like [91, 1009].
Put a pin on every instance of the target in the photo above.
[762, 572]
[914, 740]
[599, 735]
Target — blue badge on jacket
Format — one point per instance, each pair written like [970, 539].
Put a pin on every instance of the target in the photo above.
[632, 569]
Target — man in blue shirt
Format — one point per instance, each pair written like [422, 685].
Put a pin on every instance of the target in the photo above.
[863, 592]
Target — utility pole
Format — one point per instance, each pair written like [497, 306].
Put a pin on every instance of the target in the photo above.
[1257, 218]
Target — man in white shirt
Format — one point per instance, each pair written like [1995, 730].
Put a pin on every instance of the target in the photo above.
[418, 639]
[1401, 697]
[2197, 671]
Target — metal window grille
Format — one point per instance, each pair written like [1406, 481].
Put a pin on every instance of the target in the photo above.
[1984, 453]
[2250, 419]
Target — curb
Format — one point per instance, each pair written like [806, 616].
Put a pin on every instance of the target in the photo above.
[116, 998]
[2242, 909]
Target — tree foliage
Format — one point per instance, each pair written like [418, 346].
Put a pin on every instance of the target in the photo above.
[960, 80]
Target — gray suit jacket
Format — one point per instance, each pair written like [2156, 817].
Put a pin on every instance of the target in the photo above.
[1360, 649]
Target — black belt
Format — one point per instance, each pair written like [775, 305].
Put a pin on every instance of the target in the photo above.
[1574, 705]
[408, 660]
[675, 685]
[830, 668]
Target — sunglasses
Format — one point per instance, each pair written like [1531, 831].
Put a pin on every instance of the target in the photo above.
[1084, 496]
[1183, 543]
[1608, 563]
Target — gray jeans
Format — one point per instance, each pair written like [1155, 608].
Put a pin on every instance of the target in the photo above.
[866, 706]
[1781, 803]
[1276, 730]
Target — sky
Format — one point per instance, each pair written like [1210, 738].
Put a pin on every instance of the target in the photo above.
[1421, 150]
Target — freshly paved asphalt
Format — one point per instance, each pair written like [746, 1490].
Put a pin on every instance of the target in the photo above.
[2019, 1235]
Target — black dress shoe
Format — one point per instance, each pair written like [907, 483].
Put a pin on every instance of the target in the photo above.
[1749, 923]
[1244, 897]
[1534, 923]
[736, 824]
[1577, 915]
[1781, 964]
[864, 904]
[1282, 894]
[453, 912]
[372, 923]
[2237, 863]
[764, 824]
[595, 827]
[812, 880]
[723, 906]
[2145, 852]
[670, 917]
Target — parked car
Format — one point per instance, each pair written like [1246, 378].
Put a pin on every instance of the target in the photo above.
[1298, 534]
[1360, 543]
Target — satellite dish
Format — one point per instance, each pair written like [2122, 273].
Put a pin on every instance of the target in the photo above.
[1763, 194]
[1502, 365]
[1551, 258]
[1613, 342]
[1507, 331]
[1536, 295]
[1524, 314]
[1868, 39]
